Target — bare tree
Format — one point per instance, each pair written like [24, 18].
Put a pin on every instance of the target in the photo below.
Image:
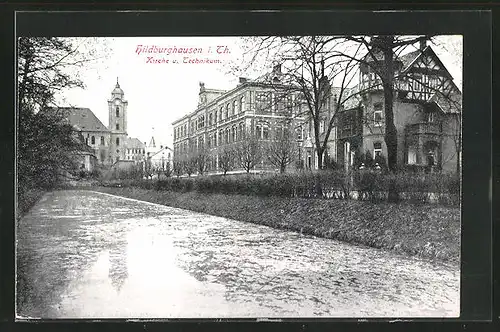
[248, 152]
[227, 158]
[190, 164]
[178, 166]
[307, 66]
[312, 63]
[149, 169]
[167, 169]
[201, 159]
[49, 65]
[283, 149]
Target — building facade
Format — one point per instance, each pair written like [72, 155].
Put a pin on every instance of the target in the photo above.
[110, 144]
[427, 112]
[426, 107]
[229, 119]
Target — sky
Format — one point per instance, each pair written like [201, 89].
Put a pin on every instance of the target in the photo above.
[160, 93]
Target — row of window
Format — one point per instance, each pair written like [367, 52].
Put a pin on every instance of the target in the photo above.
[265, 101]
[235, 134]
[415, 82]
[224, 112]
[92, 140]
[136, 151]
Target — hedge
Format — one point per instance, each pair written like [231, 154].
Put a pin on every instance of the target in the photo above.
[363, 185]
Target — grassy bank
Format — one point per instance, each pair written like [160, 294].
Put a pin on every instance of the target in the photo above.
[427, 231]
[26, 199]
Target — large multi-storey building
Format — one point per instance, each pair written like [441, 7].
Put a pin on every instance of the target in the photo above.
[252, 110]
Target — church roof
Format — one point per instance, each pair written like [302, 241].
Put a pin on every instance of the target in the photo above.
[152, 143]
[117, 89]
[134, 143]
[83, 119]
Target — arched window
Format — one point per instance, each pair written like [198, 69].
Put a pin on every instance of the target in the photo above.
[117, 141]
[117, 112]
[258, 131]
[242, 104]
[235, 107]
[117, 126]
[92, 140]
[227, 111]
[234, 134]
[241, 133]
[102, 140]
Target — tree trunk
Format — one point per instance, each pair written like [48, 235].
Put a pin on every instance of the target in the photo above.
[391, 138]
[320, 158]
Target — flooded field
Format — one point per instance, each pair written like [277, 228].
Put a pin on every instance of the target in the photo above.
[83, 254]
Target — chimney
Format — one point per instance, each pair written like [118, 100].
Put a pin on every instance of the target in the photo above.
[423, 44]
[202, 86]
[242, 80]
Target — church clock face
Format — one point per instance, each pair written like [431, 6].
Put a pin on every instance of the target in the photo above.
[117, 102]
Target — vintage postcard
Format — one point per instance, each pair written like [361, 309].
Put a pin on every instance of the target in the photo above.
[303, 176]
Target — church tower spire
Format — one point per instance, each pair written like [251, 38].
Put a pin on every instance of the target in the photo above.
[117, 108]
[152, 143]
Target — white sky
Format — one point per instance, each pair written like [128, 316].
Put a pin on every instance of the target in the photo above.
[158, 94]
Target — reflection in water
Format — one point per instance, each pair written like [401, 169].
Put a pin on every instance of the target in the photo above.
[118, 270]
[111, 257]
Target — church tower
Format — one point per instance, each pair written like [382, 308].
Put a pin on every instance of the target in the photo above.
[117, 107]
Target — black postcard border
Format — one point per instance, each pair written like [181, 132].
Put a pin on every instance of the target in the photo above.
[476, 284]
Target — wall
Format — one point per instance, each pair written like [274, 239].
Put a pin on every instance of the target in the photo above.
[451, 131]
[404, 114]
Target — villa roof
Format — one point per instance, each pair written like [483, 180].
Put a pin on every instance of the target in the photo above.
[448, 104]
